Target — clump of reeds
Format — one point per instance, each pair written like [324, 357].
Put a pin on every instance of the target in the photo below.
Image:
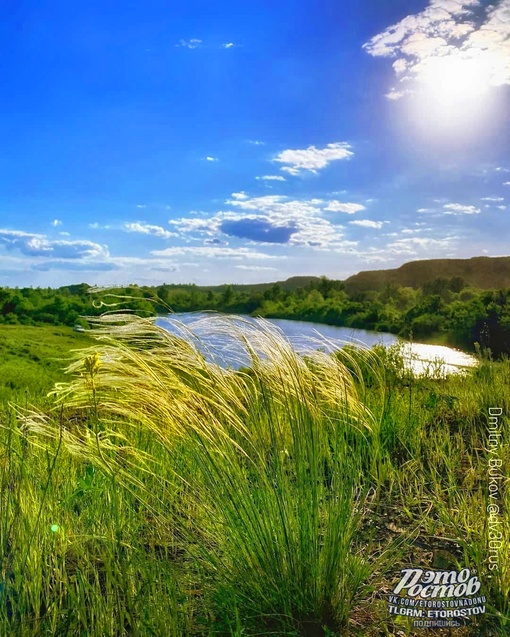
[263, 466]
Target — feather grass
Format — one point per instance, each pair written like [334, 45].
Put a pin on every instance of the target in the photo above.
[266, 463]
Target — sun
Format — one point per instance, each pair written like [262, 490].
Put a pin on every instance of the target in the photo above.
[452, 97]
[453, 81]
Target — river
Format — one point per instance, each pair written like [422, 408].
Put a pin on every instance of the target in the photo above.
[226, 351]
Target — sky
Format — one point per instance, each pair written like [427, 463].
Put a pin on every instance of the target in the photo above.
[232, 142]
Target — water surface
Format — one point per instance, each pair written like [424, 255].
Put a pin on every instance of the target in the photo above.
[219, 346]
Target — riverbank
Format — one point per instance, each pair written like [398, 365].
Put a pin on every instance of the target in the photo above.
[444, 339]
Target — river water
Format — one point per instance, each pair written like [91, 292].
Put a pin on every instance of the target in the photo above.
[221, 347]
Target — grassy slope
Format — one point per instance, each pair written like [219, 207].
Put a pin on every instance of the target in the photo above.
[33, 358]
[481, 272]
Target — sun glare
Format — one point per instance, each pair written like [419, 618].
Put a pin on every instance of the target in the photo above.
[453, 97]
[453, 81]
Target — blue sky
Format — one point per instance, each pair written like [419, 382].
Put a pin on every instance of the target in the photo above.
[222, 143]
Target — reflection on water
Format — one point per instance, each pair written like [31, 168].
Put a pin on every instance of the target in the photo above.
[220, 345]
[436, 360]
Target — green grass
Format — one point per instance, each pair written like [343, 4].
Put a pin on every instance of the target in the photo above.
[279, 500]
[32, 359]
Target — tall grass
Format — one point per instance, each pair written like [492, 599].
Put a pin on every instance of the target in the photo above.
[264, 467]
[279, 498]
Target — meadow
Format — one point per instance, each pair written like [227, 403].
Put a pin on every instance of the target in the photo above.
[153, 493]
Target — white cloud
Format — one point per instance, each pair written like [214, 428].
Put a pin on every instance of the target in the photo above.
[457, 208]
[98, 226]
[448, 31]
[273, 219]
[501, 207]
[419, 227]
[38, 245]
[145, 228]
[192, 225]
[139, 263]
[217, 252]
[56, 222]
[255, 268]
[304, 217]
[416, 245]
[312, 159]
[348, 208]
[194, 43]
[227, 45]
[209, 158]
[64, 249]
[493, 199]
[506, 183]
[366, 223]
[141, 205]
[396, 95]
[256, 142]
[272, 178]
[500, 169]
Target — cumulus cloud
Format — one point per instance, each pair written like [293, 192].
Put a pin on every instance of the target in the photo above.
[272, 219]
[312, 159]
[216, 242]
[460, 209]
[461, 32]
[194, 43]
[367, 223]
[348, 208]
[95, 225]
[38, 245]
[77, 249]
[506, 183]
[258, 230]
[255, 268]
[26, 242]
[303, 217]
[421, 245]
[74, 266]
[217, 252]
[272, 178]
[190, 225]
[145, 228]
[396, 95]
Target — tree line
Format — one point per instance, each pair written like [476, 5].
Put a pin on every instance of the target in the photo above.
[444, 307]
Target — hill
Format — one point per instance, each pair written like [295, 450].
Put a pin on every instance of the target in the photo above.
[481, 272]
[291, 284]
